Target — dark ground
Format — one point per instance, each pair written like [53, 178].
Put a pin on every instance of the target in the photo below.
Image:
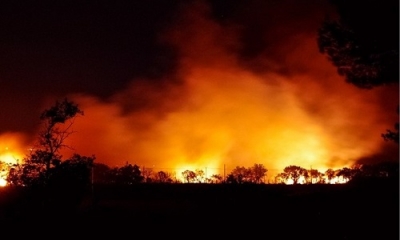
[209, 211]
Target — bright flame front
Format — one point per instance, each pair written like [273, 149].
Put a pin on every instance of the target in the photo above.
[11, 152]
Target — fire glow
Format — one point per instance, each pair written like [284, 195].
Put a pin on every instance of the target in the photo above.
[221, 114]
[335, 180]
[11, 152]
[216, 112]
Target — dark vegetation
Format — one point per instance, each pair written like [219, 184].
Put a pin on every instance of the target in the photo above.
[363, 42]
[366, 210]
[78, 197]
[363, 45]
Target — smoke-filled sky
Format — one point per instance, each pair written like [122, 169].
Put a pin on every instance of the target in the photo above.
[188, 84]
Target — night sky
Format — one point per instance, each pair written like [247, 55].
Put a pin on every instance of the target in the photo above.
[168, 83]
[55, 48]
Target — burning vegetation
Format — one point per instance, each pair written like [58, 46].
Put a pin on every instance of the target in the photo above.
[285, 110]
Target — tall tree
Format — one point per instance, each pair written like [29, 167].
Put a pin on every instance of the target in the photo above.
[57, 123]
[346, 173]
[281, 178]
[241, 174]
[216, 178]
[258, 172]
[294, 173]
[189, 176]
[129, 174]
[200, 175]
[147, 174]
[56, 126]
[330, 174]
[315, 176]
[163, 177]
[363, 42]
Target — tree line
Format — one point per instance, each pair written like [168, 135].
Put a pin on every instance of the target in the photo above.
[256, 174]
[83, 171]
[44, 165]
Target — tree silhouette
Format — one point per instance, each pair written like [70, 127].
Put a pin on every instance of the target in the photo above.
[254, 174]
[242, 174]
[102, 173]
[14, 175]
[70, 181]
[76, 170]
[375, 172]
[392, 135]
[216, 178]
[147, 174]
[57, 122]
[330, 174]
[294, 173]
[200, 176]
[364, 42]
[128, 174]
[56, 126]
[281, 177]
[230, 178]
[54, 185]
[163, 177]
[189, 176]
[258, 172]
[315, 176]
[346, 173]
[387, 169]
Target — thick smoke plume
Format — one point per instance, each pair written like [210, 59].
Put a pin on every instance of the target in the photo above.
[284, 105]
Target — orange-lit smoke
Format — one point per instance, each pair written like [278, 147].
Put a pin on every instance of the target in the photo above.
[12, 148]
[11, 152]
[216, 113]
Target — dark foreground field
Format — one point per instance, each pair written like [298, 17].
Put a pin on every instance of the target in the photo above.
[210, 211]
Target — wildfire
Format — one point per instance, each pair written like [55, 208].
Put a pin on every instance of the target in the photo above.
[221, 113]
[203, 174]
[335, 180]
[11, 152]
[289, 110]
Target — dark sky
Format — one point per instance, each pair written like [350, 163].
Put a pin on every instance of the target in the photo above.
[58, 47]
[53, 49]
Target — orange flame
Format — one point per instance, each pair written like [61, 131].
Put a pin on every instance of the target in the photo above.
[218, 111]
[11, 152]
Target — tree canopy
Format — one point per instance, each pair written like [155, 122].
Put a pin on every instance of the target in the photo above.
[363, 43]
[44, 164]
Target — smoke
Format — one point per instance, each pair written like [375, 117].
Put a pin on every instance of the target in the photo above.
[282, 106]
[12, 148]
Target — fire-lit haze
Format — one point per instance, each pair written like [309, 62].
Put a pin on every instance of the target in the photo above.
[11, 152]
[284, 105]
